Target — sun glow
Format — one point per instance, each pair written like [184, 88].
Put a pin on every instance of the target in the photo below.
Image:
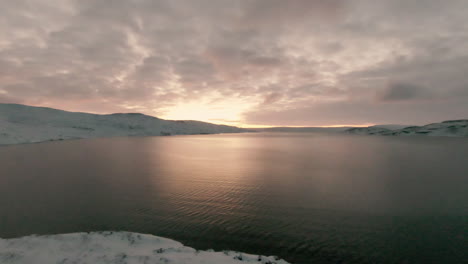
[227, 112]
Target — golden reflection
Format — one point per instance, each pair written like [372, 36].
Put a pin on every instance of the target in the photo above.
[206, 169]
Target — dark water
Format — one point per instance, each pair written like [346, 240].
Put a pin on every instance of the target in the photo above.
[308, 198]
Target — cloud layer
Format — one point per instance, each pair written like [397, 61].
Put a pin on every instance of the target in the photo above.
[257, 62]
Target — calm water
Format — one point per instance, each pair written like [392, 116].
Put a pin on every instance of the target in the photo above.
[308, 198]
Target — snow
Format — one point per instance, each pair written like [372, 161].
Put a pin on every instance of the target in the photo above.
[27, 124]
[115, 247]
[451, 128]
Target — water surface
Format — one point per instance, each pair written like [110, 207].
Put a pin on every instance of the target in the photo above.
[309, 198]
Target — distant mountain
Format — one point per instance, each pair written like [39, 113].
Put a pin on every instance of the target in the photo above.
[302, 129]
[391, 126]
[372, 130]
[451, 128]
[28, 124]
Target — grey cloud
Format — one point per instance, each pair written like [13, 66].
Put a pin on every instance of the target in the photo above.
[420, 77]
[152, 71]
[5, 98]
[286, 13]
[331, 47]
[233, 62]
[291, 58]
[271, 98]
[358, 112]
[193, 71]
[400, 91]
[314, 89]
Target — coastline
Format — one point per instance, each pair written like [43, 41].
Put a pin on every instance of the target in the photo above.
[111, 247]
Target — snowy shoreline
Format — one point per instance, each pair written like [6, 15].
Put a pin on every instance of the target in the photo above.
[115, 247]
[110, 137]
[449, 128]
[21, 124]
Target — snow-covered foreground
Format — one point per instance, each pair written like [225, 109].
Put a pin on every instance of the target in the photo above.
[114, 247]
[452, 128]
[27, 124]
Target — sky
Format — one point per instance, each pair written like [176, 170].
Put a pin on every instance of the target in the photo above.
[240, 62]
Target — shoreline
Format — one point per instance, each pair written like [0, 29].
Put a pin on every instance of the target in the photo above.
[109, 247]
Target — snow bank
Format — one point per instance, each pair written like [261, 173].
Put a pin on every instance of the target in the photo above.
[114, 247]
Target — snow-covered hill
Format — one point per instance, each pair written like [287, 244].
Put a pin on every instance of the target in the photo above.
[27, 124]
[115, 247]
[452, 128]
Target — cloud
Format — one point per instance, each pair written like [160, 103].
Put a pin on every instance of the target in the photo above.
[272, 98]
[273, 13]
[286, 60]
[358, 112]
[234, 62]
[400, 91]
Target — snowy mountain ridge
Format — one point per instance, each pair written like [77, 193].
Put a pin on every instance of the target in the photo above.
[450, 128]
[28, 124]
